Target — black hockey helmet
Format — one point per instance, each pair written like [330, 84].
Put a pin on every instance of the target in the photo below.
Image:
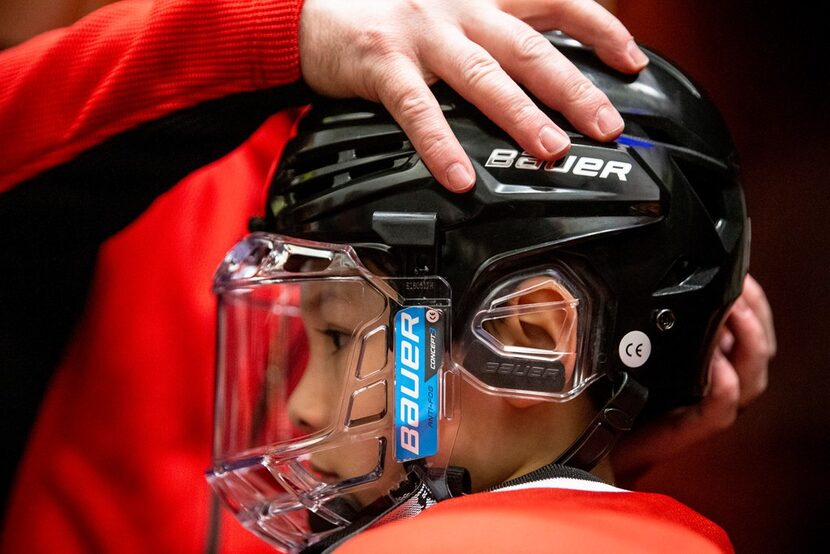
[652, 226]
[334, 393]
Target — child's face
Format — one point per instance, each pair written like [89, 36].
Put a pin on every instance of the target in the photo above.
[488, 442]
[334, 312]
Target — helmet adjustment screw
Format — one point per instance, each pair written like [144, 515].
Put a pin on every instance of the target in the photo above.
[665, 319]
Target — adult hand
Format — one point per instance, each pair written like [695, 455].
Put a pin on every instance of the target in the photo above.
[392, 50]
[738, 375]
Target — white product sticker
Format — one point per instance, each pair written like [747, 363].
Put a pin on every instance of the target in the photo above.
[635, 348]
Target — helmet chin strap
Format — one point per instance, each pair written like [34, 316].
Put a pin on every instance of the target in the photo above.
[597, 440]
[422, 489]
[616, 417]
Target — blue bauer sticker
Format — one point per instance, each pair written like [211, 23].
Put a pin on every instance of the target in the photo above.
[419, 355]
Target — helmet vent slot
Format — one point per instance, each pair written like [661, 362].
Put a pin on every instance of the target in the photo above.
[373, 148]
[680, 271]
[310, 160]
[708, 183]
[657, 133]
[317, 170]
[372, 167]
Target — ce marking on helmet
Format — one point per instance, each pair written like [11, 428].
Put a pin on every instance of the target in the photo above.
[635, 348]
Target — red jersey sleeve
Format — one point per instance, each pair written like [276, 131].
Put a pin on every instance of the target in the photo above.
[549, 520]
[131, 62]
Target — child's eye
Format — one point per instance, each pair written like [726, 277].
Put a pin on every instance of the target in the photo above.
[338, 338]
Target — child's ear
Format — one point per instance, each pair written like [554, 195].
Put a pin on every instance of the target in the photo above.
[550, 328]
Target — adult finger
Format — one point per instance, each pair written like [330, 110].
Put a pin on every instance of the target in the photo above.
[751, 353]
[588, 22]
[754, 295]
[715, 412]
[475, 74]
[726, 340]
[408, 98]
[532, 60]
[719, 408]
[674, 432]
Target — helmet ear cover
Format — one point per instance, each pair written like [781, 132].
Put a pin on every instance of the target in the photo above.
[525, 338]
[531, 341]
[540, 319]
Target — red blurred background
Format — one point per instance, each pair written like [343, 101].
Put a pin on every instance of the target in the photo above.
[765, 65]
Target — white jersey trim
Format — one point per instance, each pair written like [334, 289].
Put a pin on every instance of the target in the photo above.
[564, 483]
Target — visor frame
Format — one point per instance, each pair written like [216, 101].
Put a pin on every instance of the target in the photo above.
[268, 260]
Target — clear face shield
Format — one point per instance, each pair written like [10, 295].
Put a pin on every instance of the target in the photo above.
[329, 380]
[332, 380]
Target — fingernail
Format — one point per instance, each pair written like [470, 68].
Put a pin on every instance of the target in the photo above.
[727, 341]
[637, 56]
[459, 178]
[609, 120]
[553, 140]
